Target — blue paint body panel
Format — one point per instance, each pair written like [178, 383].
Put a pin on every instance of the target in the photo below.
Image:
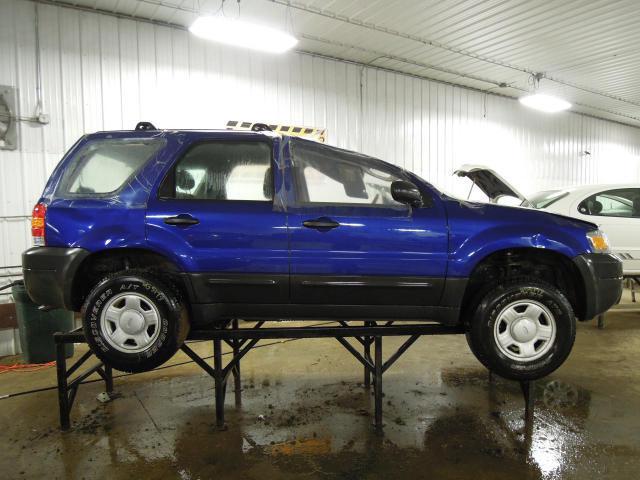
[477, 230]
[445, 240]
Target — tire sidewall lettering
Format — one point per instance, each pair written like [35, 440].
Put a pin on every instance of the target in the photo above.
[163, 346]
[486, 317]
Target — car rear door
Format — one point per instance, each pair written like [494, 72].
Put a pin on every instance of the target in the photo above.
[617, 212]
[353, 247]
[216, 215]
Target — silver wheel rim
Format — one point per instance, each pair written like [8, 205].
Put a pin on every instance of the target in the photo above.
[130, 322]
[525, 330]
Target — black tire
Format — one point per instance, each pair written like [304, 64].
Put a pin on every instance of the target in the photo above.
[171, 319]
[552, 353]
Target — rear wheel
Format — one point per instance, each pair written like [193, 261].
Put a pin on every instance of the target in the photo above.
[522, 329]
[134, 321]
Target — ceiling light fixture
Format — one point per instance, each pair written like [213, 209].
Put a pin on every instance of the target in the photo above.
[239, 33]
[545, 103]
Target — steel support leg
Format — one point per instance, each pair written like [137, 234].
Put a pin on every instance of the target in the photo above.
[219, 382]
[108, 372]
[367, 355]
[528, 388]
[63, 391]
[601, 321]
[237, 382]
[378, 383]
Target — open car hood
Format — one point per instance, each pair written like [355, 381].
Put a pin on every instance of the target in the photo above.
[491, 184]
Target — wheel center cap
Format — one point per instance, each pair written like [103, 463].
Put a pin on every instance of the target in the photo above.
[523, 330]
[132, 322]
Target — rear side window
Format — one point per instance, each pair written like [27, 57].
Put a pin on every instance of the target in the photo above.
[222, 171]
[622, 202]
[104, 166]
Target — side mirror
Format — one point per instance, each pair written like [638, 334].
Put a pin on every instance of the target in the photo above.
[406, 192]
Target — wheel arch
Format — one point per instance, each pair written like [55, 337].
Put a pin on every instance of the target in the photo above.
[102, 263]
[551, 266]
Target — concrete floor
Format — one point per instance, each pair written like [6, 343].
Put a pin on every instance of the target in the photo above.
[305, 414]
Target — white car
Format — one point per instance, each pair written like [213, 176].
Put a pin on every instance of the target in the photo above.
[614, 208]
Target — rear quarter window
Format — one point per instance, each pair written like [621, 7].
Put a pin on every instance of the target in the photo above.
[103, 166]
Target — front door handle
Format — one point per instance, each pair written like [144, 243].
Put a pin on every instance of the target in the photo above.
[322, 223]
[182, 220]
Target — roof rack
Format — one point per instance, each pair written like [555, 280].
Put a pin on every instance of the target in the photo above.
[144, 126]
[261, 127]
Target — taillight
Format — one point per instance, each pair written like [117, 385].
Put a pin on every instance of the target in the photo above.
[37, 224]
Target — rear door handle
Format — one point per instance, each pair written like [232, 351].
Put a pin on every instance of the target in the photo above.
[182, 219]
[322, 223]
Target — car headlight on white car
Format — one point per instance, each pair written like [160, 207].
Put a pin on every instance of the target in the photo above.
[599, 241]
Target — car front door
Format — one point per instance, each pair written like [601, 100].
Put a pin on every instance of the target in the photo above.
[355, 251]
[216, 215]
[617, 212]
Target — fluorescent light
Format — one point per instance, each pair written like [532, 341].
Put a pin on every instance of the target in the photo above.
[242, 34]
[545, 103]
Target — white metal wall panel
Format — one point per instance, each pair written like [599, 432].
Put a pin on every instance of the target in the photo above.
[99, 72]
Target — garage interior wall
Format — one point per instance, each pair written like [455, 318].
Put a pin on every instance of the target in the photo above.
[99, 72]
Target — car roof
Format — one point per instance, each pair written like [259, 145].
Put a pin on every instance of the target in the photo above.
[167, 131]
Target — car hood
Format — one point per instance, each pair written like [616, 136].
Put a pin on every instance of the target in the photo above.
[508, 213]
[491, 184]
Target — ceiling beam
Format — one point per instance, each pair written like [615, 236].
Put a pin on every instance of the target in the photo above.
[75, 6]
[433, 43]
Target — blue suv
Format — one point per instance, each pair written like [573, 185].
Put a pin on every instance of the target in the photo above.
[150, 232]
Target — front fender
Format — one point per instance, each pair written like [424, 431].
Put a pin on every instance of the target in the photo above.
[480, 230]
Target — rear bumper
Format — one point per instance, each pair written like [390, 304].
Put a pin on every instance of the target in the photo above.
[602, 279]
[49, 273]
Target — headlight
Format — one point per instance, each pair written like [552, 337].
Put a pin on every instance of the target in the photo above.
[599, 241]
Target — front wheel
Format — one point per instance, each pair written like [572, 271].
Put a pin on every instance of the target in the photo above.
[134, 322]
[522, 330]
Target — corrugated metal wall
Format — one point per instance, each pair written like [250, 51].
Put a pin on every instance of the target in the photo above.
[100, 73]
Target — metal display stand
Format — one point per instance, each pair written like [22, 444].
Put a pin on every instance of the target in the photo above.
[241, 340]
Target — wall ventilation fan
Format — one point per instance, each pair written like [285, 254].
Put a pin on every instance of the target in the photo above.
[8, 118]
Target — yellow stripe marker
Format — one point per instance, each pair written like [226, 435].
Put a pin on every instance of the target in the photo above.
[318, 134]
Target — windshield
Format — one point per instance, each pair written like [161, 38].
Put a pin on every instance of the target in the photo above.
[547, 198]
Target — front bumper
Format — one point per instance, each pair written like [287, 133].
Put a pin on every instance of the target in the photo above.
[602, 282]
[49, 273]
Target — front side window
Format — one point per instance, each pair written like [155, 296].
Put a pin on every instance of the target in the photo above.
[622, 202]
[103, 166]
[332, 176]
[222, 171]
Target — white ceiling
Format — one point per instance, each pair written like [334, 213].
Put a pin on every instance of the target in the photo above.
[588, 50]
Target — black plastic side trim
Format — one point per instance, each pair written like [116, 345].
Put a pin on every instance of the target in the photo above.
[49, 273]
[602, 280]
[250, 288]
[241, 281]
[453, 292]
[366, 290]
[356, 283]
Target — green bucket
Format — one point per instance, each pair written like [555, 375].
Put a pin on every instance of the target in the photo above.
[37, 328]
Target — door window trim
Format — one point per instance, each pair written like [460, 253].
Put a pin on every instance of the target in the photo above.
[376, 163]
[604, 193]
[172, 172]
